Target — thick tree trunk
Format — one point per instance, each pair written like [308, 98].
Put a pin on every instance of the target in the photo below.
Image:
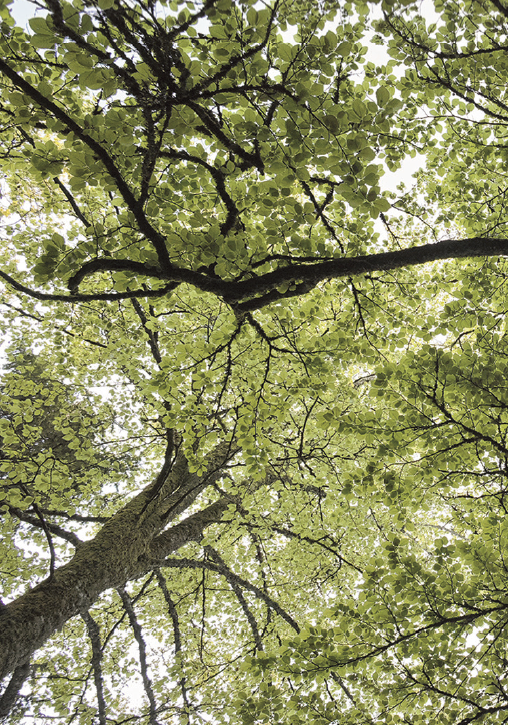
[126, 547]
[27, 622]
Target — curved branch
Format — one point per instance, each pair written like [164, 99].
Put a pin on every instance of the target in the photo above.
[218, 178]
[252, 294]
[257, 292]
[232, 578]
[108, 264]
[98, 297]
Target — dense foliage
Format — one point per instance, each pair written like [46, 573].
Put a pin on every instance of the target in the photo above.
[253, 409]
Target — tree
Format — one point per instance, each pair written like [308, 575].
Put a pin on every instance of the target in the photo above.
[199, 251]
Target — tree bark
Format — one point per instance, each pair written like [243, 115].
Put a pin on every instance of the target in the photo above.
[256, 292]
[11, 692]
[124, 549]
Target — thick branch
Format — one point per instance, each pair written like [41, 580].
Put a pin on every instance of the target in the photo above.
[257, 292]
[11, 692]
[190, 529]
[172, 494]
[310, 275]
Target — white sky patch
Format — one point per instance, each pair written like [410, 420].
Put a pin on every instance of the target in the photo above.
[22, 11]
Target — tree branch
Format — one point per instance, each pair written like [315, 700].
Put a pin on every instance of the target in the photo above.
[190, 529]
[173, 613]
[11, 692]
[138, 634]
[95, 640]
[232, 577]
[258, 291]
[71, 201]
[53, 528]
[241, 599]
[97, 297]
[108, 264]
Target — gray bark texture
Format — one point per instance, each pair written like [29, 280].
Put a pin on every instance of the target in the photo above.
[132, 542]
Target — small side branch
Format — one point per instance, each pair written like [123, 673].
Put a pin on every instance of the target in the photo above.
[95, 640]
[152, 336]
[77, 211]
[318, 542]
[173, 613]
[343, 686]
[171, 609]
[46, 526]
[241, 599]
[138, 634]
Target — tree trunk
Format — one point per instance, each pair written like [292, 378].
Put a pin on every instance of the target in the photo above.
[127, 546]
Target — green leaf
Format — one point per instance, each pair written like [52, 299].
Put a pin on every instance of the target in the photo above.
[382, 96]
[39, 26]
[43, 41]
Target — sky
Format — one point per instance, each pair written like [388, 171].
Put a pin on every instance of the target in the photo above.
[22, 10]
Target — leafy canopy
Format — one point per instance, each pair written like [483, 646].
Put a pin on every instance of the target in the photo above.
[254, 412]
